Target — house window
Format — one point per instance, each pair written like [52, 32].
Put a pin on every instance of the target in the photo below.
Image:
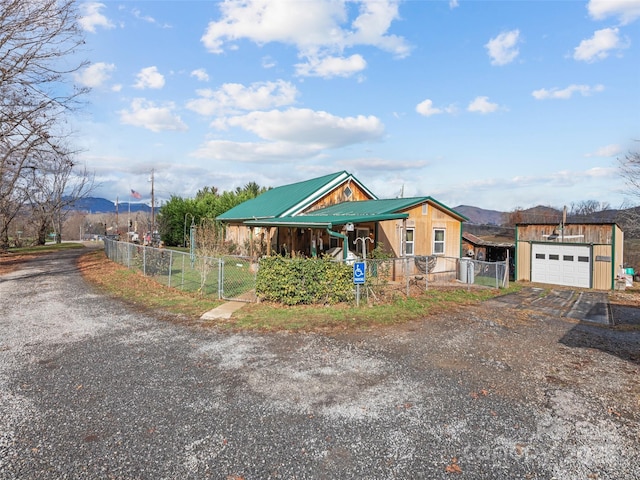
[347, 192]
[438, 241]
[409, 241]
[425, 209]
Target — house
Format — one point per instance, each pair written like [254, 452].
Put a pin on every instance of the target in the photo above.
[586, 255]
[337, 211]
[489, 251]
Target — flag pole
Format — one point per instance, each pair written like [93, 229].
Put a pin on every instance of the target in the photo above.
[117, 223]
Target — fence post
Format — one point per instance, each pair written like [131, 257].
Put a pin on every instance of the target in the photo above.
[144, 261]
[406, 272]
[170, 264]
[220, 278]
[182, 275]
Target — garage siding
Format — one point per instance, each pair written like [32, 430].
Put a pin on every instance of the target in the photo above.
[602, 267]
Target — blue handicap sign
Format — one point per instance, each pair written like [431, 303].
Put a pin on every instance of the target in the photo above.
[358, 273]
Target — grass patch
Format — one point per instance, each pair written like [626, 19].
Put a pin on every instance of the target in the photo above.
[343, 317]
[147, 294]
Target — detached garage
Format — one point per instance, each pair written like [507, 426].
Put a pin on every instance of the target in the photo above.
[575, 255]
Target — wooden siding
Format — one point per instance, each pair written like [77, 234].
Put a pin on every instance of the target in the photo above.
[572, 233]
[607, 253]
[602, 269]
[424, 224]
[337, 195]
[523, 261]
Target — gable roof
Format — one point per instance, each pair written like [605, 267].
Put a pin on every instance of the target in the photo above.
[365, 207]
[352, 212]
[289, 199]
[382, 207]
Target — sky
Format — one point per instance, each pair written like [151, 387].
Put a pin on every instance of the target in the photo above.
[495, 104]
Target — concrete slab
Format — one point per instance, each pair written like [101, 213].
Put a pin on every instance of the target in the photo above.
[223, 311]
[588, 306]
[591, 307]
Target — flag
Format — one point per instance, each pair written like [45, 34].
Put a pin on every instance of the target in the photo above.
[135, 194]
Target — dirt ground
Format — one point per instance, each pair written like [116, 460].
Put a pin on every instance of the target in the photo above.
[90, 388]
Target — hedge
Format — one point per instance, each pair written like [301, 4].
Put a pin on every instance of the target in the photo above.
[304, 281]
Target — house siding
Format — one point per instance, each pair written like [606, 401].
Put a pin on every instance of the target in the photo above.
[337, 195]
[391, 231]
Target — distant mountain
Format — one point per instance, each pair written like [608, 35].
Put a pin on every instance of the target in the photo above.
[102, 205]
[480, 216]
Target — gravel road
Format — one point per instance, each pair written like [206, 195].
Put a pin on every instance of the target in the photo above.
[90, 389]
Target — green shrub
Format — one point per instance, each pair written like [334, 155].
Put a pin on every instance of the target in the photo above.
[304, 281]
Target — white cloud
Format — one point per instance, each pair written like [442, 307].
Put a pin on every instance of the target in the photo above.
[149, 78]
[329, 66]
[318, 28]
[503, 48]
[91, 17]
[304, 126]
[566, 93]
[453, 4]
[268, 62]
[95, 75]
[255, 152]
[626, 10]
[427, 109]
[146, 114]
[234, 97]
[607, 151]
[201, 74]
[290, 136]
[599, 46]
[384, 165]
[140, 16]
[482, 105]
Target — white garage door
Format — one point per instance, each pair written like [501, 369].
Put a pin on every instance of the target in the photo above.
[561, 264]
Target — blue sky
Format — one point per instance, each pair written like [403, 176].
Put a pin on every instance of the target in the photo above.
[494, 104]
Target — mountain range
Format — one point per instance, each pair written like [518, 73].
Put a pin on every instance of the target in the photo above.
[102, 205]
[476, 215]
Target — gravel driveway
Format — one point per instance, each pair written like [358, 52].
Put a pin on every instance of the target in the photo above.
[90, 389]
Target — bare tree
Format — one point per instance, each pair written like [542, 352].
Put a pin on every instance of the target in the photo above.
[629, 217]
[38, 39]
[55, 186]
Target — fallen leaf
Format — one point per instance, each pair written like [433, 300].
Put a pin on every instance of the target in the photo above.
[453, 467]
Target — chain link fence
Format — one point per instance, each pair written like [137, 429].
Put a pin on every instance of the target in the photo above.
[414, 274]
[226, 277]
[234, 277]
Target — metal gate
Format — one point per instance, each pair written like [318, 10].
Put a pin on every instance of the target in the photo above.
[238, 278]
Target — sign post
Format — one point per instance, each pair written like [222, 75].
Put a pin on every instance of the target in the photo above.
[358, 279]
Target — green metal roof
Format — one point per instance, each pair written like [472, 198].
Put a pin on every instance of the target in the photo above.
[288, 199]
[380, 207]
[323, 221]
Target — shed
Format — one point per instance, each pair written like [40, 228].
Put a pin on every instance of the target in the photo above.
[585, 255]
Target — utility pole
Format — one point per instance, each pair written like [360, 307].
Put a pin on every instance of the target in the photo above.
[153, 219]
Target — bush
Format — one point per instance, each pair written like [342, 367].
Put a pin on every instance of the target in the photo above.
[302, 281]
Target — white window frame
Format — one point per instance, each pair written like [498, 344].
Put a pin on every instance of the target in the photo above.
[439, 242]
[407, 242]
